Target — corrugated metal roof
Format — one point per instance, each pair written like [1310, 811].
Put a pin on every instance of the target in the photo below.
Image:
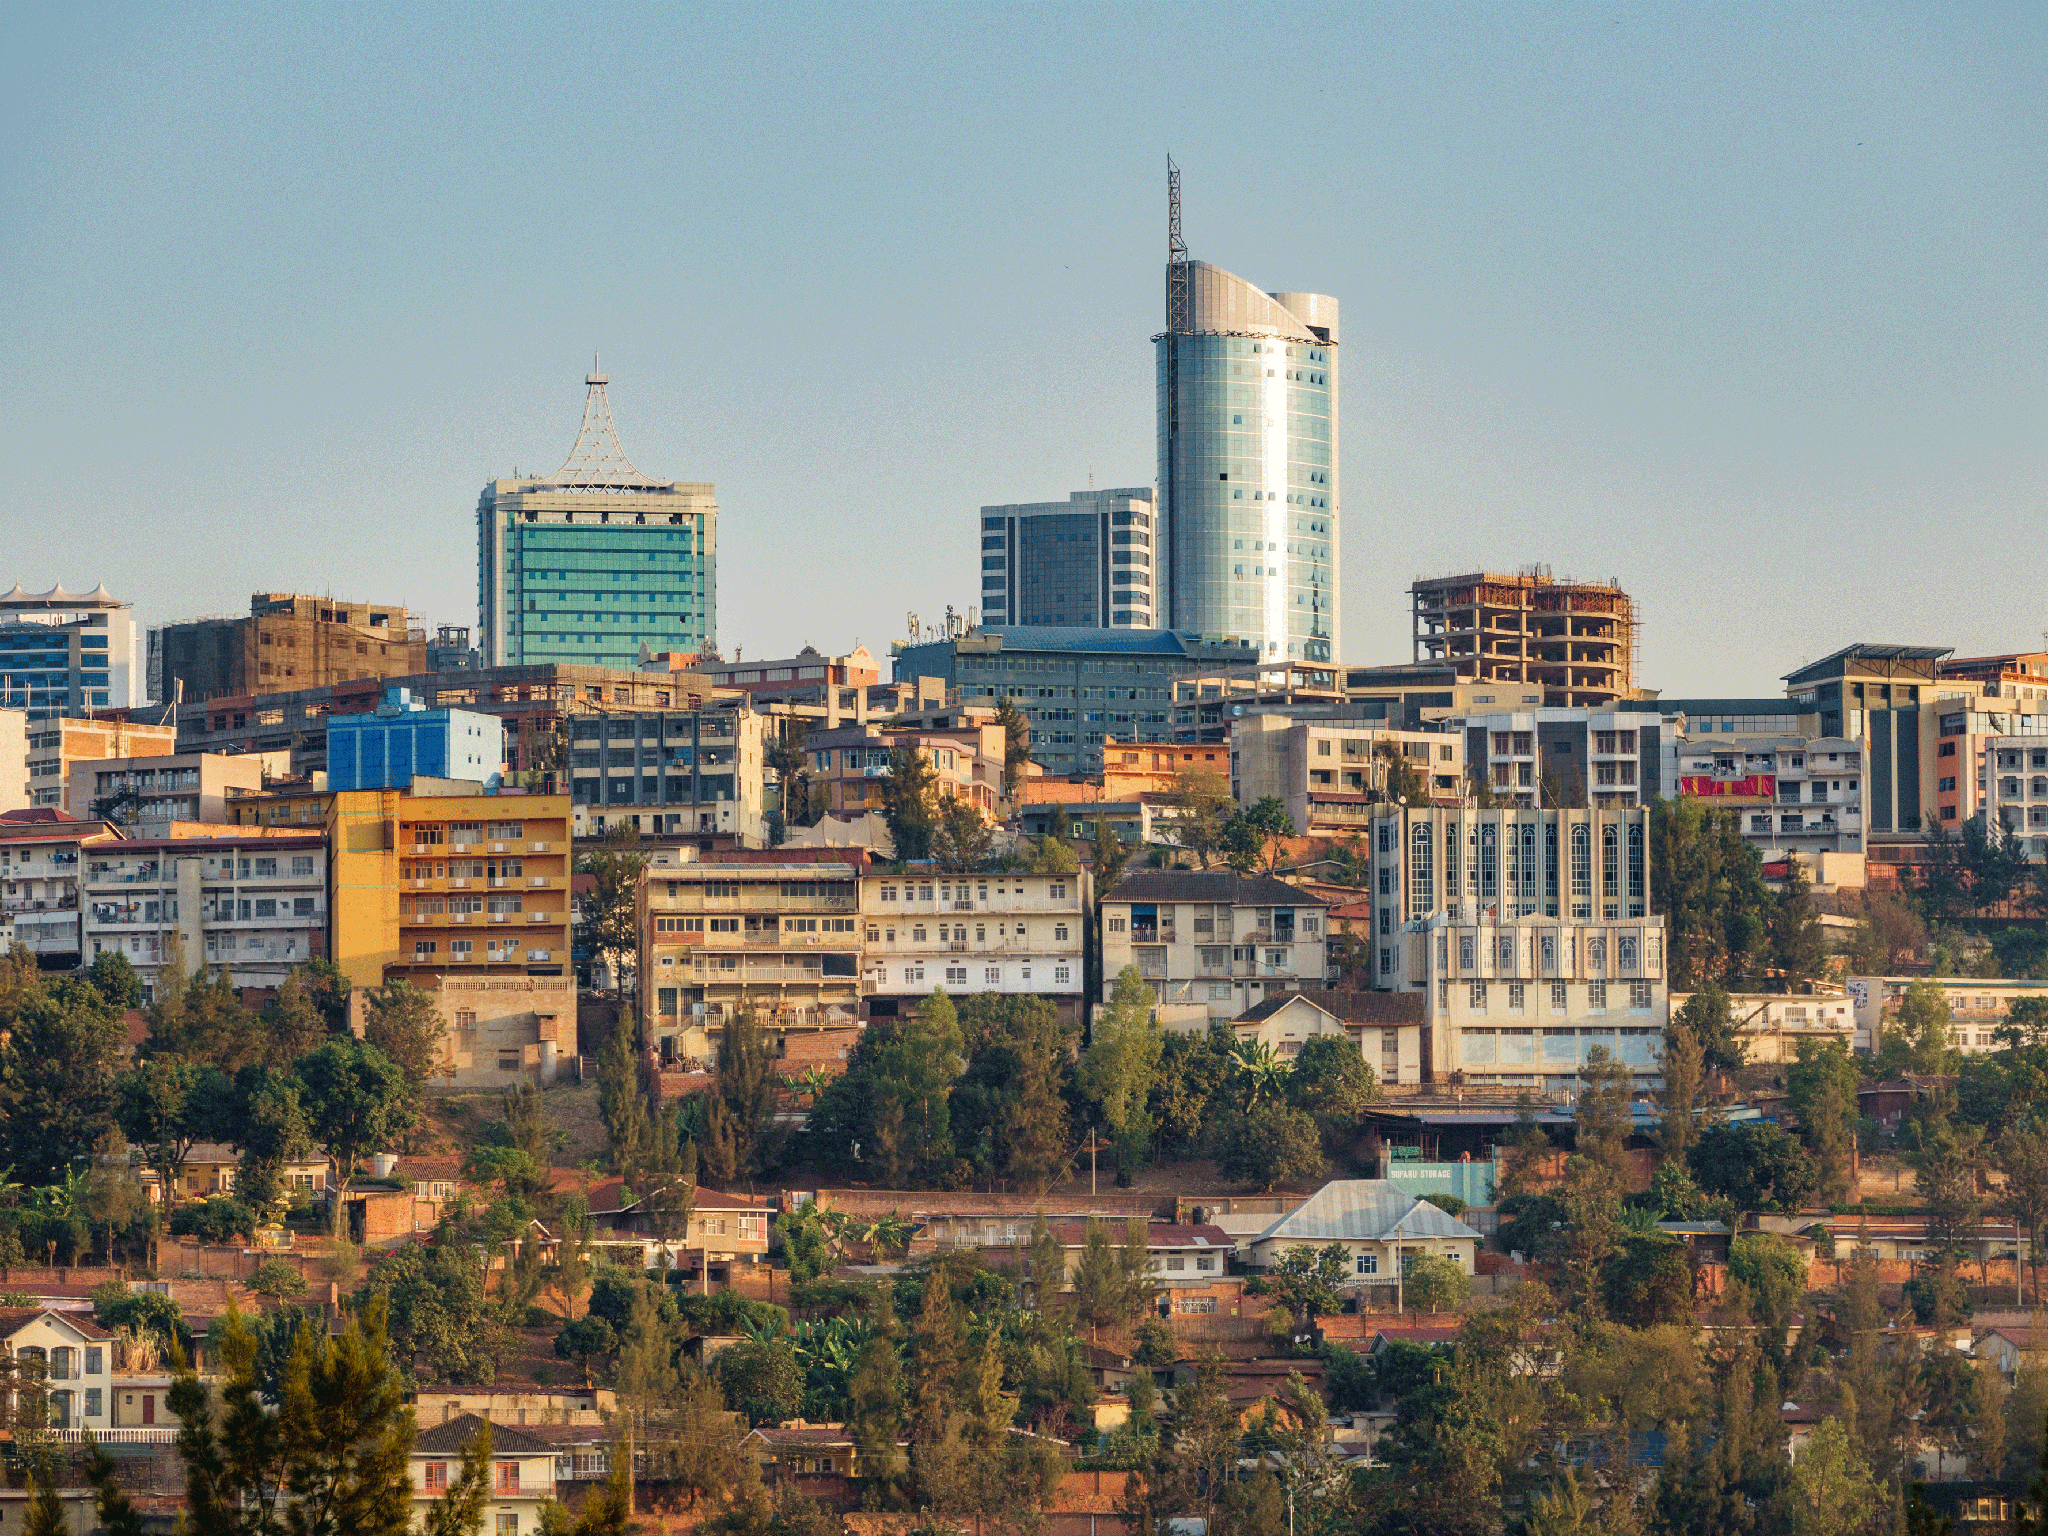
[1363, 1210]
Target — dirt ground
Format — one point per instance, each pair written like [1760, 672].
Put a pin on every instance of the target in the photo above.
[455, 1121]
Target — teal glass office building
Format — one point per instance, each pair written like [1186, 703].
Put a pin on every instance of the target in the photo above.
[597, 564]
[1248, 482]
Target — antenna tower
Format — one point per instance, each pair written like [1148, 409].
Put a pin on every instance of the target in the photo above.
[1176, 256]
[1177, 325]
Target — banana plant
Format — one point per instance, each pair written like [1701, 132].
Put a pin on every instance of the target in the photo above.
[1263, 1073]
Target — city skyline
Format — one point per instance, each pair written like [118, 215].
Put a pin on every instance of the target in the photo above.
[1743, 310]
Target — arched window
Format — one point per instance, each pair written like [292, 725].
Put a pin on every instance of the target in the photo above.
[1582, 861]
[1638, 879]
[1610, 860]
[1421, 871]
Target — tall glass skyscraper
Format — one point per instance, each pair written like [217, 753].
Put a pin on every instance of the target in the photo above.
[1248, 462]
[597, 562]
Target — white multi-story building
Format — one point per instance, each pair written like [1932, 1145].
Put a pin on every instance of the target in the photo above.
[1977, 1007]
[1567, 756]
[1212, 943]
[2015, 775]
[1015, 934]
[39, 861]
[251, 905]
[77, 1357]
[1791, 793]
[1330, 774]
[65, 653]
[1530, 935]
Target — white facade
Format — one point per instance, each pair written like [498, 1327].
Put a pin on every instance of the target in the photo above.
[13, 760]
[78, 1358]
[1016, 934]
[1529, 933]
[1590, 757]
[1212, 943]
[2015, 775]
[39, 865]
[1977, 1007]
[254, 906]
[64, 653]
[1791, 793]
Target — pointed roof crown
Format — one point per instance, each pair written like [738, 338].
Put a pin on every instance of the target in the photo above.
[598, 462]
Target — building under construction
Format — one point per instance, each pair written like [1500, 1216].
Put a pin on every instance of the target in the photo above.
[287, 641]
[1575, 640]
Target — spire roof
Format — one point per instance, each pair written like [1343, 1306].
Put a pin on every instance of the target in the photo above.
[598, 462]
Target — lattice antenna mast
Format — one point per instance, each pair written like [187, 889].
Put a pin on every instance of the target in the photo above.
[1176, 256]
[598, 462]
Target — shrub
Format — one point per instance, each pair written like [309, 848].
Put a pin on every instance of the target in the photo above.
[1436, 1283]
[1450, 1205]
[218, 1220]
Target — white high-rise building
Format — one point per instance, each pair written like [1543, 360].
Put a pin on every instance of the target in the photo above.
[64, 653]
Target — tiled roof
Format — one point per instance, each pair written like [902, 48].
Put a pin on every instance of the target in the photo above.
[611, 1197]
[1419, 1334]
[1363, 1209]
[805, 1434]
[1350, 1006]
[1210, 885]
[14, 1319]
[448, 1439]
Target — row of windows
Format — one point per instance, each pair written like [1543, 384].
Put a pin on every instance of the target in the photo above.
[1478, 993]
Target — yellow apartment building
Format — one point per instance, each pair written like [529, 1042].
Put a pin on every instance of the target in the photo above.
[466, 894]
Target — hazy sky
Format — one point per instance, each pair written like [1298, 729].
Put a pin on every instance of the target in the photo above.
[1742, 304]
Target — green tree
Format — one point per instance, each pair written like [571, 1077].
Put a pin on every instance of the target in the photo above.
[606, 923]
[962, 840]
[1107, 855]
[460, 1511]
[341, 1437]
[278, 1279]
[1918, 1036]
[1774, 1277]
[45, 1513]
[1647, 1281]
[166, 1105]
[442, 1326]
[1009, 1106]
[875, 1420]
[1306, 1281]
[1201, 804]
[891, 1110]
[1268, 821]
[294, 1021]
[1755, 1164]
[1434, 1282]
[1708, 881]
[60, 1048]
[1829, 1491]
[1799, 950]
[1709, 1015]
[1122, 1058]
[2022, 1156]
[910, 802]
[270, 1130]
[406, 1026]
[115, 979]
[1684, 1082]
[1016, 742]
[1821, 1085]
[1269, 1145]
[1331, 1080]
[760, 1379]
[355, 1098]
[741, 1139]
[1099, 1281]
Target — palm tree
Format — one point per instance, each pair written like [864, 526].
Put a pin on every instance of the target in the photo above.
[813, 1082]
[886, 1234]
[1262, 1071]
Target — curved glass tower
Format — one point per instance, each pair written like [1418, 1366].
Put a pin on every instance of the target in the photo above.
[1248, 463]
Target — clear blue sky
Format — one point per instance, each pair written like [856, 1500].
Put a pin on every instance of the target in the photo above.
[1742, 304]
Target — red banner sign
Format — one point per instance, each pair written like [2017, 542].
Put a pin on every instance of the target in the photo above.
[1757, 786]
